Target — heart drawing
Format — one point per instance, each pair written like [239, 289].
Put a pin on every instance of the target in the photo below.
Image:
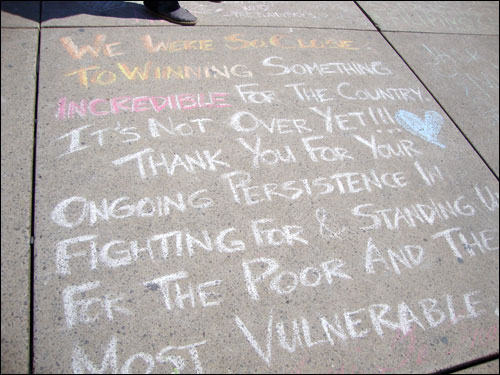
[427, 129]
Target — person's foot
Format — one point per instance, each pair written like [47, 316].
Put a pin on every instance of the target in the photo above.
[180, 15]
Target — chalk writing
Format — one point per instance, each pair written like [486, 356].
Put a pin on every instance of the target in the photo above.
[95, 75]
[256, 97]
[201, 220]
[324, 153]
[289, 234]
[164, 281]
[352, 120]
[346, 91]
[342, 183]
[409, 255]
[204, 160]
[104, 107]
[417, 355]
[427, 129]
[313, 68]
[176, 45]
[247, 122]
[430, 176]
[110, 364]
[418, 213]
[87, 137]
[237, 42]
[403, 148]
[331, 269]
[74, 211]
[263, 12]
[117, 253]
[482, 243]
[431, 314]
[77, 311]
[268, 157]
[470, 72]
[487, 198]
[94, 51]
[406, 347]
[324, 228]
[437, 16]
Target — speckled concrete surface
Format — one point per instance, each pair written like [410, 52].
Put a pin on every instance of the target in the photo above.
[462, 72]
[486, 368]
[21, 14]
[19, 50]
[452, 17]
[332, 14]
[253, 199]
[102, 236]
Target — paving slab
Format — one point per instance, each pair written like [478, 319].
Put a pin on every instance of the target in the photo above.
[21, 14]
[254, 200]
[332, 14]
[19, 51]
[486, 368]
[455, 17]
[462, 73]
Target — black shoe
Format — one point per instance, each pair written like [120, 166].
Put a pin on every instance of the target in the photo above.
[177, 15]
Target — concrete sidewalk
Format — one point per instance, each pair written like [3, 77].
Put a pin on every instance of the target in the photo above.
[283, 188]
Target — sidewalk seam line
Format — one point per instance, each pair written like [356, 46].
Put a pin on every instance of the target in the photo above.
[430, 92]
[21, 27]
[211, 26]
[33, 186]
[468, 364]
[442, 107]
[262, 26]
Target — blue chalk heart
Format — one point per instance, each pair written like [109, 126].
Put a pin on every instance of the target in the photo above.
[428, 129]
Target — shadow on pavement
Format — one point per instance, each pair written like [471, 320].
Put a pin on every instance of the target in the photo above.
[26, 9]
[62, 9]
